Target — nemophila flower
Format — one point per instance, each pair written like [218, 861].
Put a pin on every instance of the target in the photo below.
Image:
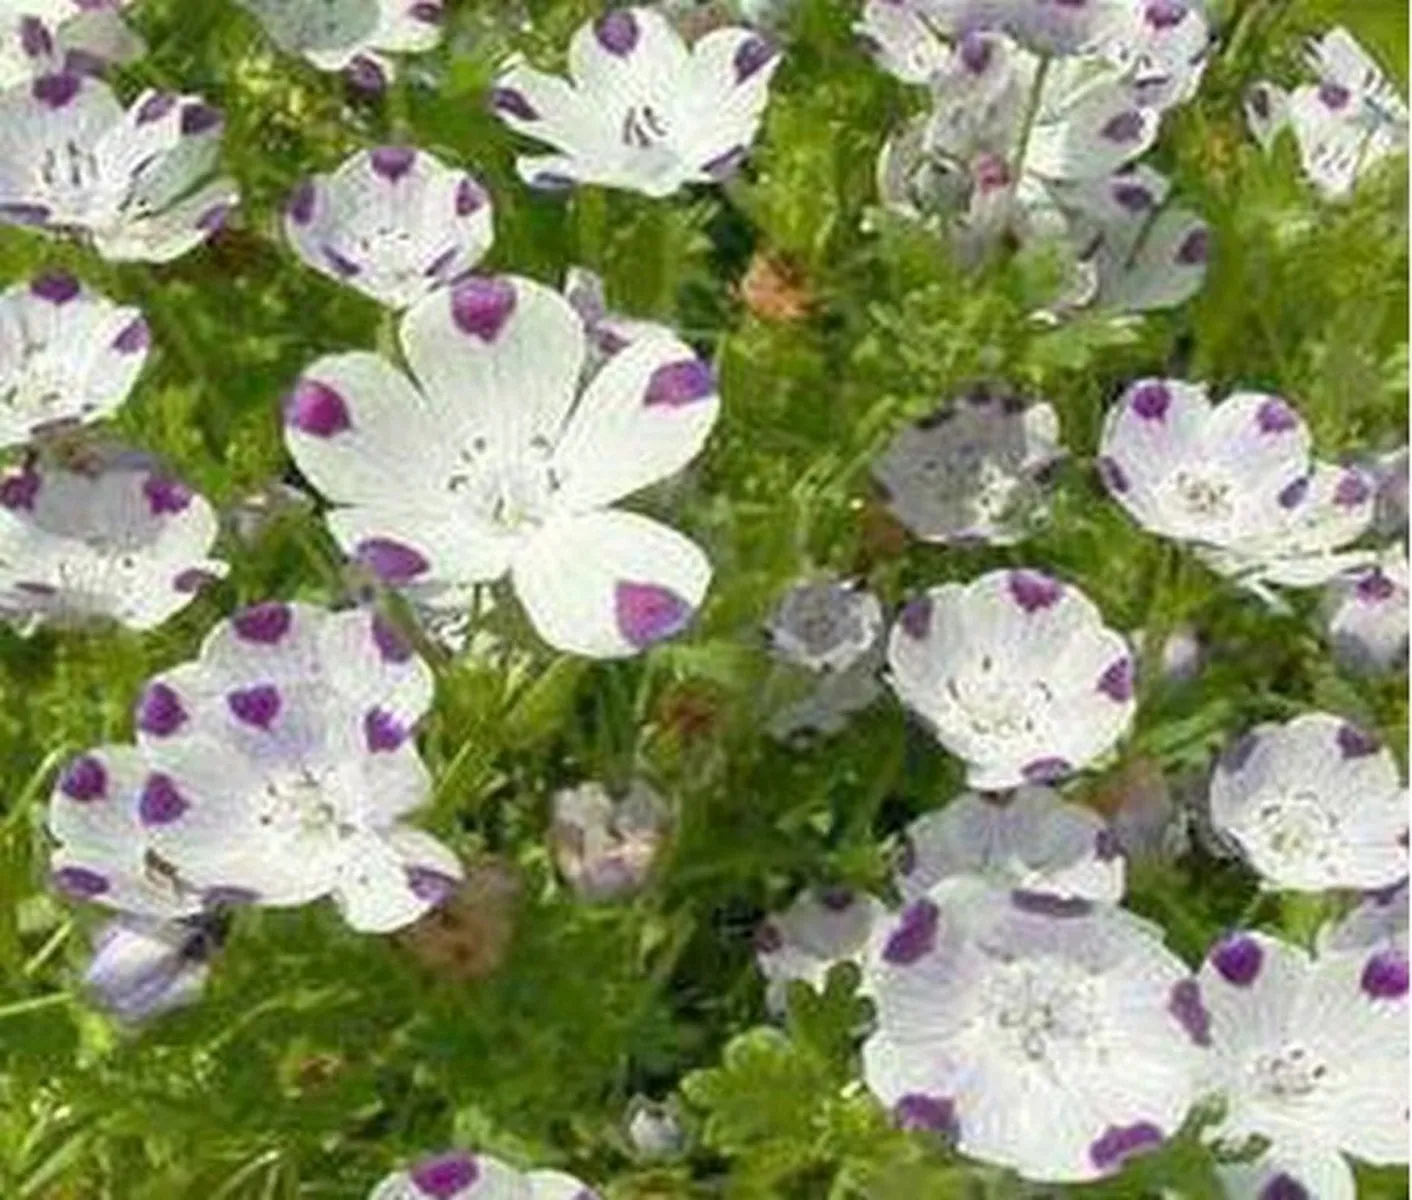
[281, 764]
[973, 471]
[1309, 1054]
[1389, 472]
[643, 111]
[458, 1175]
[117, 540]
[1016, 674]
[395, 223]
[137, 182]
[654, 1130]
[1314, 803]
[816, 932]
[103, 850]
[1147, 819]
[1366, 614]
[38, 37]
[1029, 838]
[604, 846]
[1050, 1035]
[142, 968]
[357, 37]
[67, 356]
[517, 462]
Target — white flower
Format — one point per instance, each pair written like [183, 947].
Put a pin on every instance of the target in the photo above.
[1311, 1054]
[281, 762]
[67, 356]
[972, 471]
[395, 223]
[816, 932]
[142, 968]
[604, 847]
[496, 462]
[1030, 839]
[1315, 803]
[654, 1130]
[1016, 675]
[121, 541]
[825, 626]
[353, 36]
[1049, 1035]
[457, 1175]
[643, 112]
[1367, 614]
[40, 36]
[137, 182]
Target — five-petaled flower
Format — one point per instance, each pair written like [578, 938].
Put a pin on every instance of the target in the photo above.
[644, 111]
[38, 37]
[516, 463]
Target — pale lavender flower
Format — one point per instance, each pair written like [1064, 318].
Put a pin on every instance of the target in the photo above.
[68, 356]
[1314, 803]
[1366, 614]
[138, 182]
[820, 929]
[142, 968]
[643, 111]
[1379, 920]
[605, 847]
[1016, 674]
[825, 625]
[1050, 1035]
[515, 464]
[458, 1175]
[38, 37]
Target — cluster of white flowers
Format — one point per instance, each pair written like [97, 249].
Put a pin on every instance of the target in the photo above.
[1038, 114]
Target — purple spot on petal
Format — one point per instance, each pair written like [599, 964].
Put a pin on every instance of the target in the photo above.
[470, 197]
[58, 287]
[768, 939]
[213, 220]
[1237, 959]
[258, 705]
[1293, 493]
[976, 52]
[1281, 1186]
[442, 1177]
[21, 489]
[56, 91]
[1186, 1006]
[427, 12]
[513, 103]
[391, 561]
[392, 162]
[1260, 102]
[1047, 905]
[193, 579]
[1125, 127]
[80, 882]
[16, 213]
[431, 886]
[915, 934]
[1356, 743]
[382, 731]
[1385, 975]
[1165, 14]
[165, 496]
[617, 32]
[155, 107]
[392, 646]
[1195, 248]
[1334, 95]
[675, 385]
[1150, 401]
[160, 711]
[1133, 197]
[1046, 770]
[1275, 416]
[316, 409]
[199, 118]
[482, 306]
[264, 623]
[1033, 591]
[836, 898]
[365, 74]
[161, 803]
[342, 265]
[648, 613]
[1353, 489]
[35, 39]
[1106, 845]
[300, 208]
[750, 56]
[1375, 587]
[1118, 1143]
[1117, 681]
[84, 779]
[724, 166]
[932, 1114]
[1114, 478]
[133, 338]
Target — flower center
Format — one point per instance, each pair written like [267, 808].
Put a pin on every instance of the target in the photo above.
[513, 496]
[1035, 1007]
[1299, 826]
[1290, 1074]
[298, 803]
[644, 127]
[996, 705]
[1206, 497]
[40, 382]
[68, 172]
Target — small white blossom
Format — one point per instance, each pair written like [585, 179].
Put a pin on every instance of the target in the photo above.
[281, 763]
[357, 37]
[973, 470]
[68, 356]
[1016, 674]
[1310, 1054]
[138, 182]
[38, 37]
[119, 540]
[1313, 804]
[395, 223]
[458, 1175]
[1046, 1034]
[1029, 839]
[1367, 614]
[142, 968]
[825, 626]
[816, 932]
[654, 1130]
[514, 464]
[605, 847]
[643, 111]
